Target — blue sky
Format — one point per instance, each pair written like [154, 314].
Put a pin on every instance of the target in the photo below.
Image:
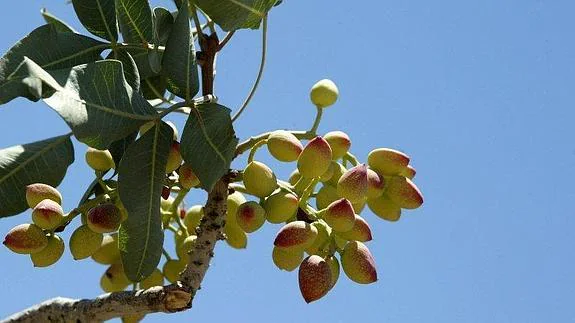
[479, 94]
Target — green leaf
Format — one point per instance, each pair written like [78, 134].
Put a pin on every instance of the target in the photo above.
[163, 22]
[154, 87]
[49, 49]
[38, 162]
[209, 142]
[97, 103]
[140, 181]
[179, 61]
[236, 14]
[60, 25]
[99, 17]
[135, 19]
[119, 147]
[130, 68]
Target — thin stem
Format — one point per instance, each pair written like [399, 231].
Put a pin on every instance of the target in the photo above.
[174, 209]
[166, 254]
[226, 39]
[173, 108]
[316, 121]
[196, 19]
[248, 144]
[260, 72]
[255, 148]
[351, 158]
[209, 21]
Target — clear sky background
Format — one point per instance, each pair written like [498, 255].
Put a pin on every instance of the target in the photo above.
[479, 93]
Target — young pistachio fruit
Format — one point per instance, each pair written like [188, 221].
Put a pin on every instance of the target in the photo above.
[84, 242]
[234, 201]
[114, 279]
[339, 215]
[185, 246]
[235, 236]
[284, 146]
[47, 214]
[36, 193]
[338, 170]
[324, 93]
[403, 192]
[408, 172]
[155, 279]
[326, 195]
[314, 278]
[334, 269]
[188, 178]
[320, 242]
[286, 259]
[359, 206]
[174, 157]
[172, 269]
[99, 160]
[104, 218]
[384, 208]
[375, 184]
[339, 142]
[358, 263]
[315, 158]
[26, 238]
[353, 184]
[250, 216]
[259, 179]
[359, 232]
[108, 253]
[325, 177]
[385, 161]
[193, 217]
[294, 177]
[297, 235]
[280, 206]
[50, 254]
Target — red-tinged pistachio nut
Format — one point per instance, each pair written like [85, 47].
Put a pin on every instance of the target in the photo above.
[353, 184]
[387, 161]
[339, 142]
[408, 172]
[384, 208]
[325, 177]
[403, 192]
[188, 178]
[114, 279]
[108, 253]
[314, 278]
[284, 146]
[286, 259]
[359, 206]
[334, 268]
[174, 157]
[234, 201]
[315, 158]
[324, 93]
[84, 242]
[156, 278]
[26, 238]
[320, 242]
[360, 231]
[99, 160]
[296, 235]
[193, 217]
[358, 263]
[35, 193]
[259, 179]
[325, 196]
[104, 218]
[235, 236]
[339, 215]
[280, 206]
[250, 216]
[47, 214]
[375, 184]
[50, 254]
